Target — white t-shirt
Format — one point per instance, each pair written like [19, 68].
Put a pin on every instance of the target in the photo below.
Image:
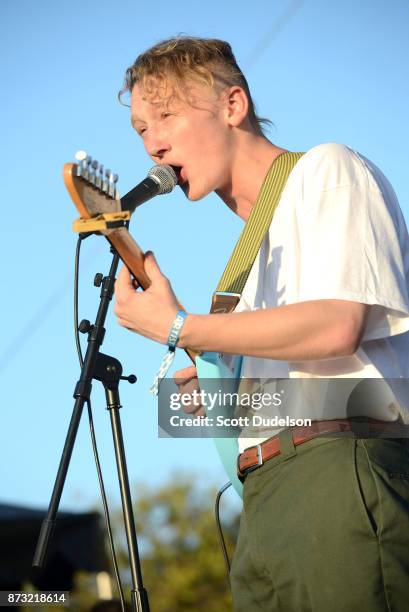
[337, 233]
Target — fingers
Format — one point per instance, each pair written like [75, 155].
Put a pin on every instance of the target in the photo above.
[187, 382]
[188, 386]
[124, 285]
[185, 375]
[151, 267]
[194, 410]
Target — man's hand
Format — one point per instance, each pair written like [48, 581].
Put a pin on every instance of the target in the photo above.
[151, 312]
[187, 382]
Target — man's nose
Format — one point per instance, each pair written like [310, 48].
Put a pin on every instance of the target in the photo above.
[157, 146]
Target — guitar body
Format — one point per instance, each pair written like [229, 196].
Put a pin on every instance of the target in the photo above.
[214, 375]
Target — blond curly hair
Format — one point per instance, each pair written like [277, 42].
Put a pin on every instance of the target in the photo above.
[208, 61]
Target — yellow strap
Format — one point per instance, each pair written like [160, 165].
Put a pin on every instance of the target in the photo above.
[241, 260]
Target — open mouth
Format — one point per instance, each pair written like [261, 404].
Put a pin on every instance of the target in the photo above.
[178, 171]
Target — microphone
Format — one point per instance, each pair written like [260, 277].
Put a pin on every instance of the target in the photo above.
[160, 179]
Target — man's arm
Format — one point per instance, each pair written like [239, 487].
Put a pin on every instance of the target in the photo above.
[318, 329]
[312, 330]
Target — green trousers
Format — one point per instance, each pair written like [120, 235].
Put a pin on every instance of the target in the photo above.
[325, 528]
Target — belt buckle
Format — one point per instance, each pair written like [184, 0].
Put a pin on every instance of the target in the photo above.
[259, 455]
[242, 475]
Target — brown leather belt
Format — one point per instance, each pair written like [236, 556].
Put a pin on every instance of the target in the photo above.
[255, 456]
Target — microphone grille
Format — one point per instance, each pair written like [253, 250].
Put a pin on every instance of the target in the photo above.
[165, 176]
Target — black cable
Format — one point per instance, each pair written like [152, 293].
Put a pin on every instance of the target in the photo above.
[106, 509]
[76, 274]
[220, 531]
[92, 431]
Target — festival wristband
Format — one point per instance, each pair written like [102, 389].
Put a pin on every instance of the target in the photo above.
[176, 329]
[170, 355]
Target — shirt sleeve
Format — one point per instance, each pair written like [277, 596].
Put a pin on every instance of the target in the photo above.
[353, 241]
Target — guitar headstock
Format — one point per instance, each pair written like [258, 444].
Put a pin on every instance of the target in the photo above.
[92, 189]
[94, 194]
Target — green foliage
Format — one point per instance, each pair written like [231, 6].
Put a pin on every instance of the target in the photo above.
[182, 564]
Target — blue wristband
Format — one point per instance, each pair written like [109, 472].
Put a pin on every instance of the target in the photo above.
[176, 329]
[170, 355]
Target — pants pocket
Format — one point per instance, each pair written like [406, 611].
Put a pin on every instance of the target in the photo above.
[366, 493]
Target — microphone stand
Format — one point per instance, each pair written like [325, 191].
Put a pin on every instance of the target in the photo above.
[108, 370]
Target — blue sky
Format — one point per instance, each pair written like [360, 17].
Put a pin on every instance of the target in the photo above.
[321, 71]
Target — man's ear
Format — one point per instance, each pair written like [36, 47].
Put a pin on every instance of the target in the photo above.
[237, 105]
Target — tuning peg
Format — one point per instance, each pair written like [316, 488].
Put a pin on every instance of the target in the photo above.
[93, 172]
[105, 181]
[100, 177]
[111, 185]
[115, 194]
[81, 157]
[87, 167]
[113, 181]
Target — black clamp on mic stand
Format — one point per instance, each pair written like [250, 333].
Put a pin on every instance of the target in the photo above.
[108, 370]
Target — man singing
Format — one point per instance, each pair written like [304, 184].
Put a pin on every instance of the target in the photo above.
[325, 521]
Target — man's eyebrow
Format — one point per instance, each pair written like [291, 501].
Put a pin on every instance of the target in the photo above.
[135, 120]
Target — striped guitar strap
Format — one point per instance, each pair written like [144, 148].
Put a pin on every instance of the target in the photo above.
[234, 277]
[211, 368]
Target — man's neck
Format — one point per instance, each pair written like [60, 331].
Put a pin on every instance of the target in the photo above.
[251, 161]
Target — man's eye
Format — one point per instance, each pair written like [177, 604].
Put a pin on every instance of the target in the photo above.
[165, 115]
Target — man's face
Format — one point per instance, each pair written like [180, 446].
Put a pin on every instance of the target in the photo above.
[193, 135]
